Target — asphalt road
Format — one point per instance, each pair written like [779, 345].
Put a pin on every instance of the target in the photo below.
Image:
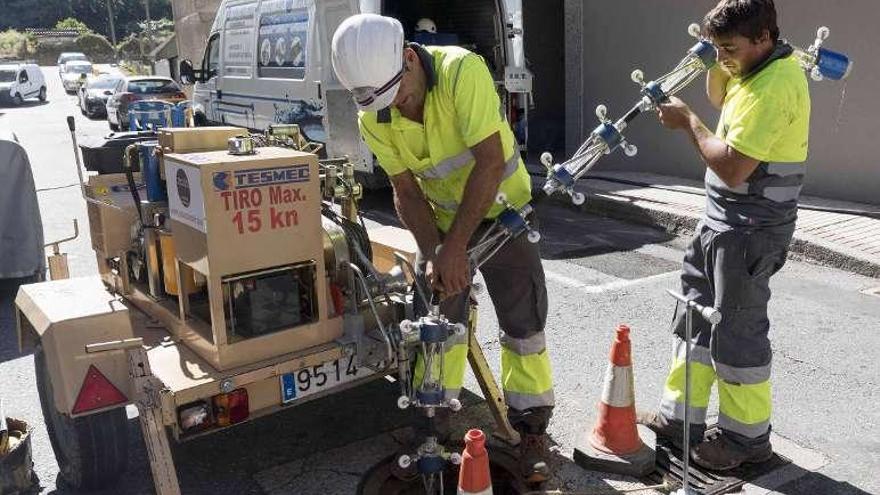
[600, 273]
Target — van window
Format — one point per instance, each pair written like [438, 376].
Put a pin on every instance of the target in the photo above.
[282, 40]
[238, 46]
[211, 62]
[23, 78]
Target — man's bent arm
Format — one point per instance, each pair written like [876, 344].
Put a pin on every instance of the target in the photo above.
[415, 213]
[729, 165]
[480, 190]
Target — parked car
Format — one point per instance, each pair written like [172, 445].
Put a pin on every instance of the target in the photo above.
[135, 88]
[67, 57]
[75, 72]
[21, 81]
[94, 93]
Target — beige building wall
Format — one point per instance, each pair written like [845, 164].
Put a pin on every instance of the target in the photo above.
[192, 22]
[605, 41]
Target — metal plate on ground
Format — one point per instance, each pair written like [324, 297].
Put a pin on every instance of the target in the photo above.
[703, 481]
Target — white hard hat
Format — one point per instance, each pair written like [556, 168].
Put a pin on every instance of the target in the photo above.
[426, 25]
[368, 59]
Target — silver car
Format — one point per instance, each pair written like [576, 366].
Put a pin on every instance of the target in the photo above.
[94, 93]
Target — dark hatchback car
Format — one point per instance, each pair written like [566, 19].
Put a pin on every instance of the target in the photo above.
[130, 89]
[94, 93]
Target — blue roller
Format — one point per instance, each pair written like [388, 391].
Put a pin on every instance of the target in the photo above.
[609, 134]
[430, 398]
[653, 91]
[833, 65]
[562, 176]
[430, 333]
[150, 170]
[706, 53]
[511, 221]
[431, 464]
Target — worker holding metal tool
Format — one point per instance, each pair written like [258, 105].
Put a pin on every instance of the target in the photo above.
[431, 116]
[754, 176]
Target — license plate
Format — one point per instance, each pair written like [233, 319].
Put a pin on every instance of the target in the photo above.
[324, 376]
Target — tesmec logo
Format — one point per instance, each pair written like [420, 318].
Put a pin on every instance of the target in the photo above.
[224, 181]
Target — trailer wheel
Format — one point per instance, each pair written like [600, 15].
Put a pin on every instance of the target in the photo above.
[92, 451]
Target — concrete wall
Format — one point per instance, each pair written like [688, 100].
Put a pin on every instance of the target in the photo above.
[605, 41]
[192, 22]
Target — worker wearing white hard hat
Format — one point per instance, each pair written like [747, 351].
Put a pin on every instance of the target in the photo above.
[425, 25]
[431, 116]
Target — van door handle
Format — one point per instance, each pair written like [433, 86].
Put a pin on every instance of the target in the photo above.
[319, 91]
[219, 94]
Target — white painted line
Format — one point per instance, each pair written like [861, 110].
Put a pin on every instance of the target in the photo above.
[610, 286]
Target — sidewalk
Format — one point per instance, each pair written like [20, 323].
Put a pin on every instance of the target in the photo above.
[846, 241]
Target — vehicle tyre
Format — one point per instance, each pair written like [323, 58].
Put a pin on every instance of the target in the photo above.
[92, 451]
[200, 120]
[42, 93]
[18, 99]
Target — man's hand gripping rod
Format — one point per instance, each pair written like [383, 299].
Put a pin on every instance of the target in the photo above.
[431, 333]
[608, 136]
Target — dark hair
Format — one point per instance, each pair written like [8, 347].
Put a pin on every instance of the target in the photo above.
[748, 18]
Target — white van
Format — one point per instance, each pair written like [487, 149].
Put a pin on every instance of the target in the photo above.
[268, 61]
[21, 81]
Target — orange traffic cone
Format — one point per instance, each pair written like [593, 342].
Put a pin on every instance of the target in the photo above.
[473, 475]
[614, 445]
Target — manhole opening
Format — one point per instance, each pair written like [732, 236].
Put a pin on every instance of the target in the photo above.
[503, 466]
[703, 481]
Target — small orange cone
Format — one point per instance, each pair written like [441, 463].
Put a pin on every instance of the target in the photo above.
[614, 444]
[473, 474]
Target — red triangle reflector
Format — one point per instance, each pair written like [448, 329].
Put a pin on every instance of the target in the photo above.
[97, 392]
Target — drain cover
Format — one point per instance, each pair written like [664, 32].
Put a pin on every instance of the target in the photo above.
[703, 481]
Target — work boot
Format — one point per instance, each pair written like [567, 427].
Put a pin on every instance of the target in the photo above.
[669, 430]
[722, 454]
[533, 455]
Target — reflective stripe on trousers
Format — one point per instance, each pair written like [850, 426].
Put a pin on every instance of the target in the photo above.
[744, 394]
[526, 376]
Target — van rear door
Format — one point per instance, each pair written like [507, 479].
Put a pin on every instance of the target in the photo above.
[340, 113]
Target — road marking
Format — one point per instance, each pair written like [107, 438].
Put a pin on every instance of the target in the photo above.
[610, 286]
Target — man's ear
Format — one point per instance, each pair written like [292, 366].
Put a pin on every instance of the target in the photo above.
[410, 58]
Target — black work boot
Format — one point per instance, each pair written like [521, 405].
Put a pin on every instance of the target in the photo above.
[533, 455]
[669, 430]
[723, 454]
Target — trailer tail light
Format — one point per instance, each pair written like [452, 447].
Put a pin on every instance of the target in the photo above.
[195, 416]
[231, 408]
[179, 95]
[97, 392]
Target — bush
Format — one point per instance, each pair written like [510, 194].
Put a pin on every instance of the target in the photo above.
[13, 45]
[130, 48]
[71, 23]
[96, 47]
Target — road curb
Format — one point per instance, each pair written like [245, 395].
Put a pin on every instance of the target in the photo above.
[680, 222]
